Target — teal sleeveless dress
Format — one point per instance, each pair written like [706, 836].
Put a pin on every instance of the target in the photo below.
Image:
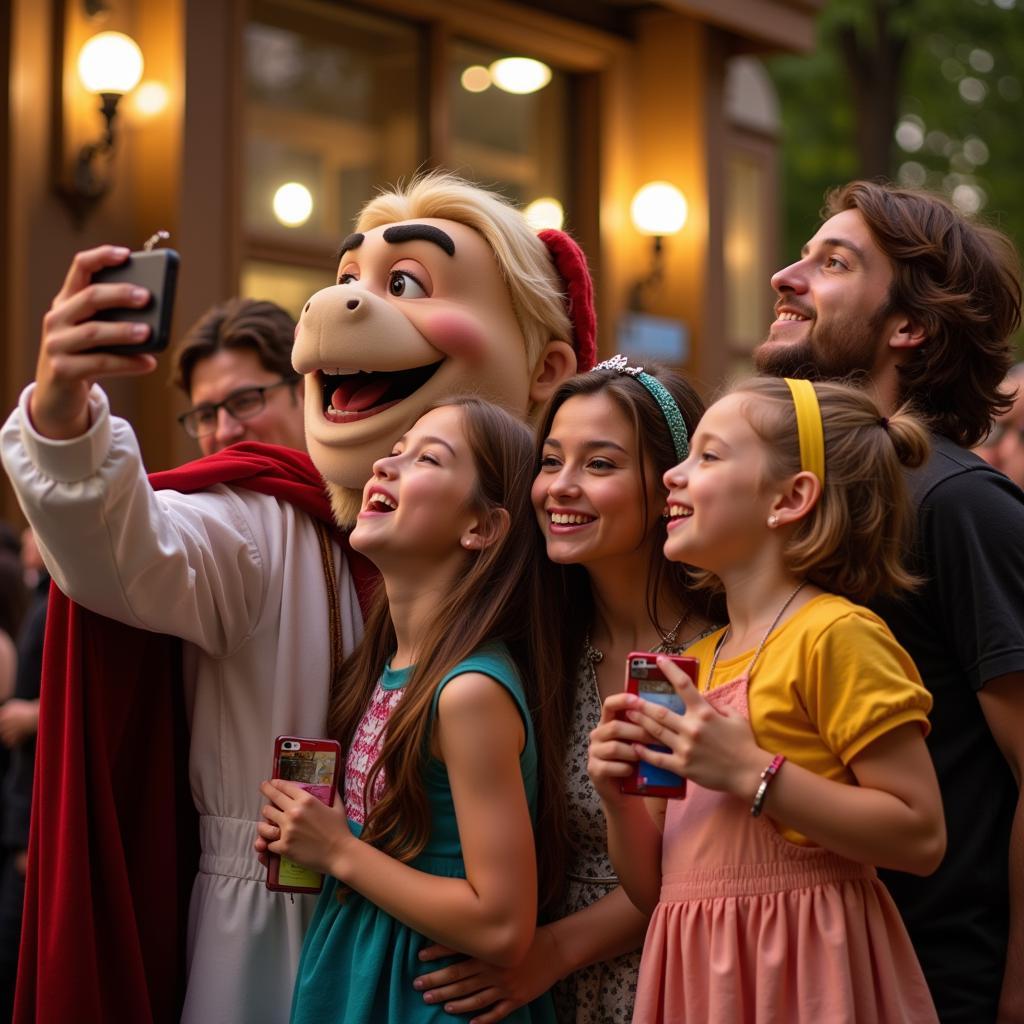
[358, 963]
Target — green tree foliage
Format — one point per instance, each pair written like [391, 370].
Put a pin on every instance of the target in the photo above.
[924, 92]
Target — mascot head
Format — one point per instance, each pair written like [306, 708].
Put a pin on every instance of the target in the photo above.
[443, 288]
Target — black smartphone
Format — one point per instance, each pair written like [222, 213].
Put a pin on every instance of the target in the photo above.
[156, 270]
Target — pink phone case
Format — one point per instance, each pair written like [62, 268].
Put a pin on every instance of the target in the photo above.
[312, 764]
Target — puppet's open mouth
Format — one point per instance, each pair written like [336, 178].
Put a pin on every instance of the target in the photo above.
[354, 396]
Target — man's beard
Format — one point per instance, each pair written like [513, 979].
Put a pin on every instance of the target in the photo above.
[843, 349]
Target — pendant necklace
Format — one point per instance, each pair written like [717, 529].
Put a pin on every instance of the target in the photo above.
[666, 645]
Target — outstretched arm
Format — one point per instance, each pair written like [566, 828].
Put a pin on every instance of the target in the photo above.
[492, 913]
[110, 542]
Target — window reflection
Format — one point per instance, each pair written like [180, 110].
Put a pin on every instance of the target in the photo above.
[518, 143]
[331, 104]
[288, 286]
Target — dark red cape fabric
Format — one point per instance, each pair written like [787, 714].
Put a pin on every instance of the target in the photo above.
[113, 846]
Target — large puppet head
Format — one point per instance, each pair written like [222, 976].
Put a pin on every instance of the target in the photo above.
[444, 288]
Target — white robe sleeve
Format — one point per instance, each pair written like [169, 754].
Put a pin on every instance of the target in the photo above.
[190, 565]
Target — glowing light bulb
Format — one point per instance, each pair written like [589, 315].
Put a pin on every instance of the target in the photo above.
[476, 78]
[293, 203]
[110, 62]
[520, 75]
[658, 209]
[545, 212]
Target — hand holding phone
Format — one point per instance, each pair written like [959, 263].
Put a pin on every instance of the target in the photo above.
[156, 270]
[66, 368]
[646, 680]
[312, 764]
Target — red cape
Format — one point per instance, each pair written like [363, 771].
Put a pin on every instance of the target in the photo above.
[113, 846]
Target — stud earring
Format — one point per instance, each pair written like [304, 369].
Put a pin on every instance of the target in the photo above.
[773, 521]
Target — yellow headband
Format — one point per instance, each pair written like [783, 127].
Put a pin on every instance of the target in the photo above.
[809, 427]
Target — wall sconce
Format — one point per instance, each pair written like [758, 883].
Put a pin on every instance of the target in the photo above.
[109, 65]
[658, 209]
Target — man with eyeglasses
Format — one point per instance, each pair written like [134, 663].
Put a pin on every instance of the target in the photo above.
[235, 366]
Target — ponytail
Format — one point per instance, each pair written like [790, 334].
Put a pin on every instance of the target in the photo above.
[908, 436]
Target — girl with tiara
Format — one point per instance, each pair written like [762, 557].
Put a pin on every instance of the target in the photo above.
[603, 444]
[433, 841]
[802, 738]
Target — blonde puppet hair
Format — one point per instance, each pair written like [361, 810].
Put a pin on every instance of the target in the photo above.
[524, 261]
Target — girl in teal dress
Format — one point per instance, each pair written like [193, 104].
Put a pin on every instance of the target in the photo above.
[442, 714]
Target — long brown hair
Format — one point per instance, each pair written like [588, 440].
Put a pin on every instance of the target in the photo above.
[501, 596]
[959, 280]
[856, 539]
[570, 584]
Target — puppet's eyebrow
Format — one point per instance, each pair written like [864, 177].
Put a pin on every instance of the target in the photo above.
[352, 242]
[420, 233]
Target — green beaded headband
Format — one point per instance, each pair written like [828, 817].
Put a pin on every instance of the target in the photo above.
[669, 409]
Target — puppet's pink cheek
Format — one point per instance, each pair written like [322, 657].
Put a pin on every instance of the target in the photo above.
[458, 335]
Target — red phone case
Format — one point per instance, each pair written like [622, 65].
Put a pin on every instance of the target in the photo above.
[642, 671]
[313, 764]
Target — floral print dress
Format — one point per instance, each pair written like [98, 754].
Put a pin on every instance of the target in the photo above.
[601, 993]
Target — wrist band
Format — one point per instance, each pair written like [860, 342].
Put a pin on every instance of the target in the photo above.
[766, 777]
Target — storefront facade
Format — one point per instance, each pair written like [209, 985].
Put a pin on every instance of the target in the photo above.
[241, 97]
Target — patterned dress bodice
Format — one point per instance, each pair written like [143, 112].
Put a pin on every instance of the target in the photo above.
[600, 993]
[586, 822]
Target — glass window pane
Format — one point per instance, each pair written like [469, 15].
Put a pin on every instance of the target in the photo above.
[331, 106]
[518, 143]
[288, 286]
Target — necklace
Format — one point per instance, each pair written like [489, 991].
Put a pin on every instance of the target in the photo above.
[760, 646]
[666, 645]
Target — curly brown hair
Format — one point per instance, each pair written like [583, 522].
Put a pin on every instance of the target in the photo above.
[959, 280]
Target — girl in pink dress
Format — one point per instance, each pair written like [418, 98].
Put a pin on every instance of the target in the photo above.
[803, 735]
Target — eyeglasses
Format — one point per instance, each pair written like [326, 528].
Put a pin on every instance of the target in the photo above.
[242, 404]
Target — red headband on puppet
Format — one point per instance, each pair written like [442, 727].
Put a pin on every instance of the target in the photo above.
[571, 265]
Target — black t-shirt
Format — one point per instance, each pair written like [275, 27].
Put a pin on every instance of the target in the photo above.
[964, 627]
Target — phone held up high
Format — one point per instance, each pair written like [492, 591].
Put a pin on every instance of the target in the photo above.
[646, 680]
[313, 765]
[156, 270]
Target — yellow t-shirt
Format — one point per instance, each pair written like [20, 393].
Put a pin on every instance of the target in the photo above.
[830, 681]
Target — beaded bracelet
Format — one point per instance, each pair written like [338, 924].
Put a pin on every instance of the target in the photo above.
[766, 777]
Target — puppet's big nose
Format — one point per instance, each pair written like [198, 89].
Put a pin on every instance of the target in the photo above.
[337, 305]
